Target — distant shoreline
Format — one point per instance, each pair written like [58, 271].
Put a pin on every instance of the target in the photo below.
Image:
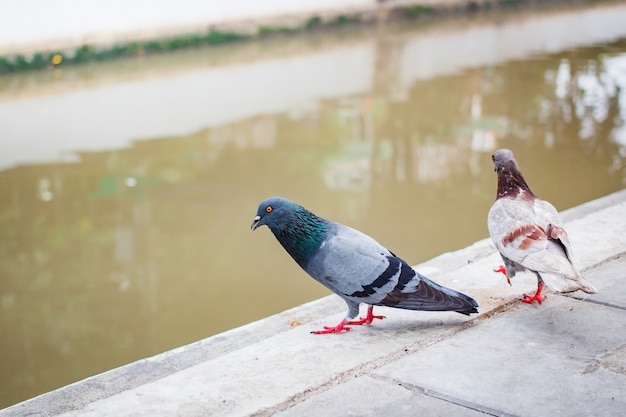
[62, 51]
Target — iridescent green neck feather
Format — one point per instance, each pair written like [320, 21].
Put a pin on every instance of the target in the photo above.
[300, 232]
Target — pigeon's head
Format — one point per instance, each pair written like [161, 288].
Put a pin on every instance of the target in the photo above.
[504, 159]
[272, 212]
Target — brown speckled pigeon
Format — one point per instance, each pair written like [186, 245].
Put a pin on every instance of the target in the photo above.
[353, 265]
[529, 233]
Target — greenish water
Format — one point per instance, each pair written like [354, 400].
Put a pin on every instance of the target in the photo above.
[127, 251]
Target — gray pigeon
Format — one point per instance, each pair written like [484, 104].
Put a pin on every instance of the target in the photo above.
[353, 265]
[529, 233]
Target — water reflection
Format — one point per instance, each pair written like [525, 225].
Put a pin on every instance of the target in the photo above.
[135, 248]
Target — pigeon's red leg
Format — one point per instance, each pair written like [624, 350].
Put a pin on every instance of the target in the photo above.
[502, 269]
[537, 297]
[341, 327]
[367, 319]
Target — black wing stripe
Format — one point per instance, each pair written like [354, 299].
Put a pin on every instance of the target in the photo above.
[382, 280]
[406, 275]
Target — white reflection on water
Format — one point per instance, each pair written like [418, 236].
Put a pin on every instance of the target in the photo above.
[42, 126]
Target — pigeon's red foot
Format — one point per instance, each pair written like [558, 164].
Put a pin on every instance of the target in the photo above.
[502, 269]
[529, 299]
[367, 319]
[341, 327]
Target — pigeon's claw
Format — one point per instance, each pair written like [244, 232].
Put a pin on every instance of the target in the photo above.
[502, 269]
[337, 329]
[529, 299]
[367, 319]
[343, 326]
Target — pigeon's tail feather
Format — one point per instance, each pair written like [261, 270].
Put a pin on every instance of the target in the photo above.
[562, 284]
[587, 287]
[430, 296]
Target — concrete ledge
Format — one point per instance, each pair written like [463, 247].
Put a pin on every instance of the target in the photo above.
[272, 364]
[66, 32]
[69, 24]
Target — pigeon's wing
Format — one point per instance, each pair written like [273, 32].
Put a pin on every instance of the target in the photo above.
[359, 269]
[553, 225]
[416, 292]
[568, 279]
[530, 233]
[547, 212]
[353, 264]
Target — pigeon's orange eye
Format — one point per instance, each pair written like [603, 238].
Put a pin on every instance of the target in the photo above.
[493, 158]
[268, 209]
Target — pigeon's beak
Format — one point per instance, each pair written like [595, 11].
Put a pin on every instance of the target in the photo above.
[255, 223]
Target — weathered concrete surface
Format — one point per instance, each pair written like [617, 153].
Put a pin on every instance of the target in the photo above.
[565, 357]
[32, 26]
[59, 24]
